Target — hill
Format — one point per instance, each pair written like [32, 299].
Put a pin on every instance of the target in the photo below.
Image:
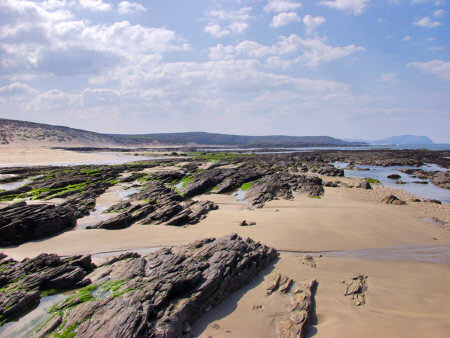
[29, 133]
[14, 132]
[212, 139]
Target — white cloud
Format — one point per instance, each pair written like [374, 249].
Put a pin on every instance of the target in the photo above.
[283, 19]
[406, 38]
[278, 6]
[242, 14]
[224, 22]
[216, 30]
[311, 52]
[427, 22]
[388, 77]
[16, 89]
[317, 51]
[355, 7]
[95, 5]
[311, 23]
[126, 7]
[438, 68]
[439, 13]
[238, 27]
[39, 41]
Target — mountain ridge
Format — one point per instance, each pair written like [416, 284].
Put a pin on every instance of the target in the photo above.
[15, 132]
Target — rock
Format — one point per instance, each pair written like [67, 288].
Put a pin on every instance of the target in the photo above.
[20, 223]
[434, 201]
[161, 294]
[330, 170]
[441, 179]
[364, 185]
[391, 199]
[331, 184]
[281, 185]
[394, 176]
[299, 317]
[309, 260]
[23, 281]
[356, 288]
[157, 204]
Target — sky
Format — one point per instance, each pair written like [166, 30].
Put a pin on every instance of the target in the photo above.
[364, 69]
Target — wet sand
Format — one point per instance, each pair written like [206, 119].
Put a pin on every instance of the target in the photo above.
[404, 298]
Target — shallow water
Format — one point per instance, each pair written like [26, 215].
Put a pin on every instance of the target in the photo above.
[14, 185]
[432, 254]
[428, 191]
[111, 159]
[412, 253]
[98, 214]
[26, 325]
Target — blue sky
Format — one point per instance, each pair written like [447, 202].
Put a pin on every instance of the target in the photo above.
[345, 68]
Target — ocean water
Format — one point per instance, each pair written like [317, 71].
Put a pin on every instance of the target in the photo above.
[428, 191]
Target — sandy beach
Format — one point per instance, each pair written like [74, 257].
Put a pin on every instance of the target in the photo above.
[405, 297]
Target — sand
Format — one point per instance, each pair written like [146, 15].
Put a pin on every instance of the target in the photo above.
[10, 155]
[404, 298]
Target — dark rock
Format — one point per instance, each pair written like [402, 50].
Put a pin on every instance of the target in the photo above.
[434, 201]
[391, 199]
[364, 185]
[282, 185]
[162, 293]
[394, 176]
[330, 170]
[22, 282]
[20, 223]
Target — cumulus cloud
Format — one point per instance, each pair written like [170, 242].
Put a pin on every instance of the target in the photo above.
[355, 7]
[283, 19]
[216, 31]
[95, 5]
[427, 22]
[126, 7]
[311, 52]
[16, 89]
[226, 22]
[241, 14]
[311, 23]
[278, 6]
[39, 41]
[438, 68]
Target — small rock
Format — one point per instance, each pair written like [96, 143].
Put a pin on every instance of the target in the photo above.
[364, 185]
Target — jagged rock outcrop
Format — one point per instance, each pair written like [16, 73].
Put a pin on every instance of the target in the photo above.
[161, 294]
[330, 170]
[22, 282]
[438, 178]
[223, 180]
[157, 204]
[281, 185]
[391, 199]
[20, 223]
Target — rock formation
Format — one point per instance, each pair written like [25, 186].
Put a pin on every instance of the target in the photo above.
[161, 294]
